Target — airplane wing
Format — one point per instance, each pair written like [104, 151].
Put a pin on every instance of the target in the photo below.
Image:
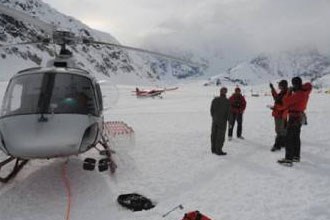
[148, 93]
[152, 92]
[171, 89]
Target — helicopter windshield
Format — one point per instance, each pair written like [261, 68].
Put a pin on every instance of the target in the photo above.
[49, 93]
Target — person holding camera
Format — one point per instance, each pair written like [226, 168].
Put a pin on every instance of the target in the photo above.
[295, 102]
[237, 108]
[279, 114]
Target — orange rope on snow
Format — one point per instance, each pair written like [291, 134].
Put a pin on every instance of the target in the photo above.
[68, 190]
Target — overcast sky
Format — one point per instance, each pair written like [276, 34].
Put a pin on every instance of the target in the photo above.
[226, 26]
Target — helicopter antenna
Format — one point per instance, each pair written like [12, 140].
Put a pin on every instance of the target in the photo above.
[169, 57]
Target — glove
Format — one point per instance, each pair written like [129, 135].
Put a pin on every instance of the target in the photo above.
[270, 107]
[271, 85]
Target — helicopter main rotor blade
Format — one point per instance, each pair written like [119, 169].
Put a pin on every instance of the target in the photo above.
[46, 27]
[144, 51]
[51, 31]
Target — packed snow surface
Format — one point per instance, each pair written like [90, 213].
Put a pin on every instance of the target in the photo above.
[171, 163]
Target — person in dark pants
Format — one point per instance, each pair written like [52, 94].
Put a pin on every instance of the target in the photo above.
[237, 107]
[279, 114]
[292, 152]
[219, 112]
[295, 102]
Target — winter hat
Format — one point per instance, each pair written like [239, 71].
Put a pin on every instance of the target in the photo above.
[223, 91]
[237, 90]
[296, 82]
[283, 83]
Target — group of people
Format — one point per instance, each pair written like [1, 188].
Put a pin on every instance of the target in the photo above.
[288, 111]
[223, 110]
[289, 115]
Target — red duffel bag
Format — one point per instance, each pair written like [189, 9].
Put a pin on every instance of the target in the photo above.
[195, 215]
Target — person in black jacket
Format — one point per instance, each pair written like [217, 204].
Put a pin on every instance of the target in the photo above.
[219, 112]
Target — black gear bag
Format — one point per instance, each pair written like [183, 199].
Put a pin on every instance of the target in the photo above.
[135, 202]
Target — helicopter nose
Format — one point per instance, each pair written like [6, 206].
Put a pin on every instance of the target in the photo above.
[60, 136]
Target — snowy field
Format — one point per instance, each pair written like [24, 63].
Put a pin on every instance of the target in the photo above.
[171, 163]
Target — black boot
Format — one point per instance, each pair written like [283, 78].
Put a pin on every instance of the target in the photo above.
[277, 145]
[285, 162]
[282, 141]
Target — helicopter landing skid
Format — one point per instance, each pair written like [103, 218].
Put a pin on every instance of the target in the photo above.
[106, 162]
[19, 164]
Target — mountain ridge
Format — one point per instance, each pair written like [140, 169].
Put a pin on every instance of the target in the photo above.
[306, 63]
[118, 64]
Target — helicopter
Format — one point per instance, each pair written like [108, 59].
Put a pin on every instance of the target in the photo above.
[52, 111]
[56, 110]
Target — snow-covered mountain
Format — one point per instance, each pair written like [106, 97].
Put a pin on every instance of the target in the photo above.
[118, 64]
[307, 63]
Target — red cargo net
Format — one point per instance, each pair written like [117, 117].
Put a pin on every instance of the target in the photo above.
[116, 128]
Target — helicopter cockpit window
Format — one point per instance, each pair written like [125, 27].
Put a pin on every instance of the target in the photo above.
[73, 94]
[49, 93]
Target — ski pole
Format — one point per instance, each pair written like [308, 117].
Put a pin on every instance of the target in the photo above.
[176, 207]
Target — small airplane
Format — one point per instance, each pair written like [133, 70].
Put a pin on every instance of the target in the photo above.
[152, 93]
[56, 110]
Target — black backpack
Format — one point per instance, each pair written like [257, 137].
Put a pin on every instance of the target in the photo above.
[135, 202]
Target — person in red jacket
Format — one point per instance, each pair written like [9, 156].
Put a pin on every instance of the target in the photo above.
[295, 102]
[237, 107]
[279, 114]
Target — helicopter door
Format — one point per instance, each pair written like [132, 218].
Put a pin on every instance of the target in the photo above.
[15, 101]
[22, 95]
